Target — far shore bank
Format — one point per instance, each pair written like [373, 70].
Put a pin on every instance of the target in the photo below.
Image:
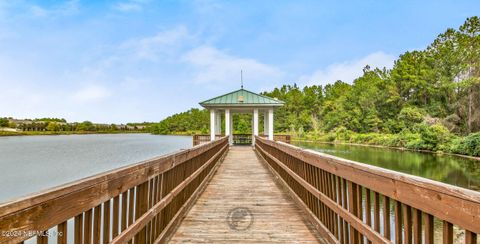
[386, 147]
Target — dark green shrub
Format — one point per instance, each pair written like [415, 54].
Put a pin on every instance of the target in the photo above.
[469, 145]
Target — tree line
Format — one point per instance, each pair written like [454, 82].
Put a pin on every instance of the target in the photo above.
[429, 99]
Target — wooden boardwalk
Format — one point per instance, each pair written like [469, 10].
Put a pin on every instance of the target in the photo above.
[243, 204]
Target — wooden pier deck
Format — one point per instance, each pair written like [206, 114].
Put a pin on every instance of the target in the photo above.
[243, 185]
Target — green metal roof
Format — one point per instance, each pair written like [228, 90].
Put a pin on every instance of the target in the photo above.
[235, 99]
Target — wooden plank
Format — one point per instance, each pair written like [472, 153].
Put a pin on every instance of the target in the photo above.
[398, 222]
[376, 211]
[386, 217]
[116, 216]
[106, 221]
[470, 237]
[352, 207]
[62, 233]
[407, 224]
[417, 226]
[447, 233]
[243, 181]
[359, 210]
[42, 239]
[428, 229]
[96, 224]
[87, 228]
[345, 206]
[339, 202]
[78, 228]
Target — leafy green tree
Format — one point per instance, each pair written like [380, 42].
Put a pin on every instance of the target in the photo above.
[53, 126]
[3, 122]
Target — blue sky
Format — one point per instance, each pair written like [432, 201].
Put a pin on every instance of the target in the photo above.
[141, 60]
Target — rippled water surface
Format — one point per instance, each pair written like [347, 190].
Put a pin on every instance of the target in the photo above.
[32, 163]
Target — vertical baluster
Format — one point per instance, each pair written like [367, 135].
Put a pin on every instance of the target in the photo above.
[345, 206]
[334, 195]
[160, 189]
[398, 222]
[322, 189]
[352, 207]
[428, 228]
[87, 230]
[470, 237]
[115, 217]
[124, 220]
[447, 232]
[359, 209]
[417, 226]
[62, 233]
[386, 217]
[407, 223]
[376, 212]
[106, 221]
[131, 207]
[141, 203]
[368, 209]
[42, 238]
[340, 202]
[96, 224]
[78, 223]
[149, 205]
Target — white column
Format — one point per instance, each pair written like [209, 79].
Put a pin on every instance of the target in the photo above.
[218, 123]
[255, 124]
[212, 124]
[231, 128]
[270, 124]
[227, 123]
[265, 123]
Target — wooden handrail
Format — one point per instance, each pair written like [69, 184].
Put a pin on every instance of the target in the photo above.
[134, 190]
[335, 190]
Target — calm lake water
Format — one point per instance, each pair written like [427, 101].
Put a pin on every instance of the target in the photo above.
[32, 163]
[453, 170]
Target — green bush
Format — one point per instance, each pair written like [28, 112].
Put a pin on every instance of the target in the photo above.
[410, 116]
[469, 145]
[343, 134]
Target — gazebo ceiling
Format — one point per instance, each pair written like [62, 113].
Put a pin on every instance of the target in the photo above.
[241, 98]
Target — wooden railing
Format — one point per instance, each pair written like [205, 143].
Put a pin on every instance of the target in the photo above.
[142, 202]
[200, 139]
[239, 138]
[282, 138]
[350, 202]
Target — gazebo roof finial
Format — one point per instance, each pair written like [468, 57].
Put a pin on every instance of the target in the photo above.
[241, 78]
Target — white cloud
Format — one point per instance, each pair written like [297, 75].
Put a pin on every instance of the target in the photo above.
[130, 5]
[215, 67]
[165, 42]
[91, 93]
[349, 70]
[65, 9]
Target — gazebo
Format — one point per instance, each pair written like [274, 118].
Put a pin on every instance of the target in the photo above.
[241, 101]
